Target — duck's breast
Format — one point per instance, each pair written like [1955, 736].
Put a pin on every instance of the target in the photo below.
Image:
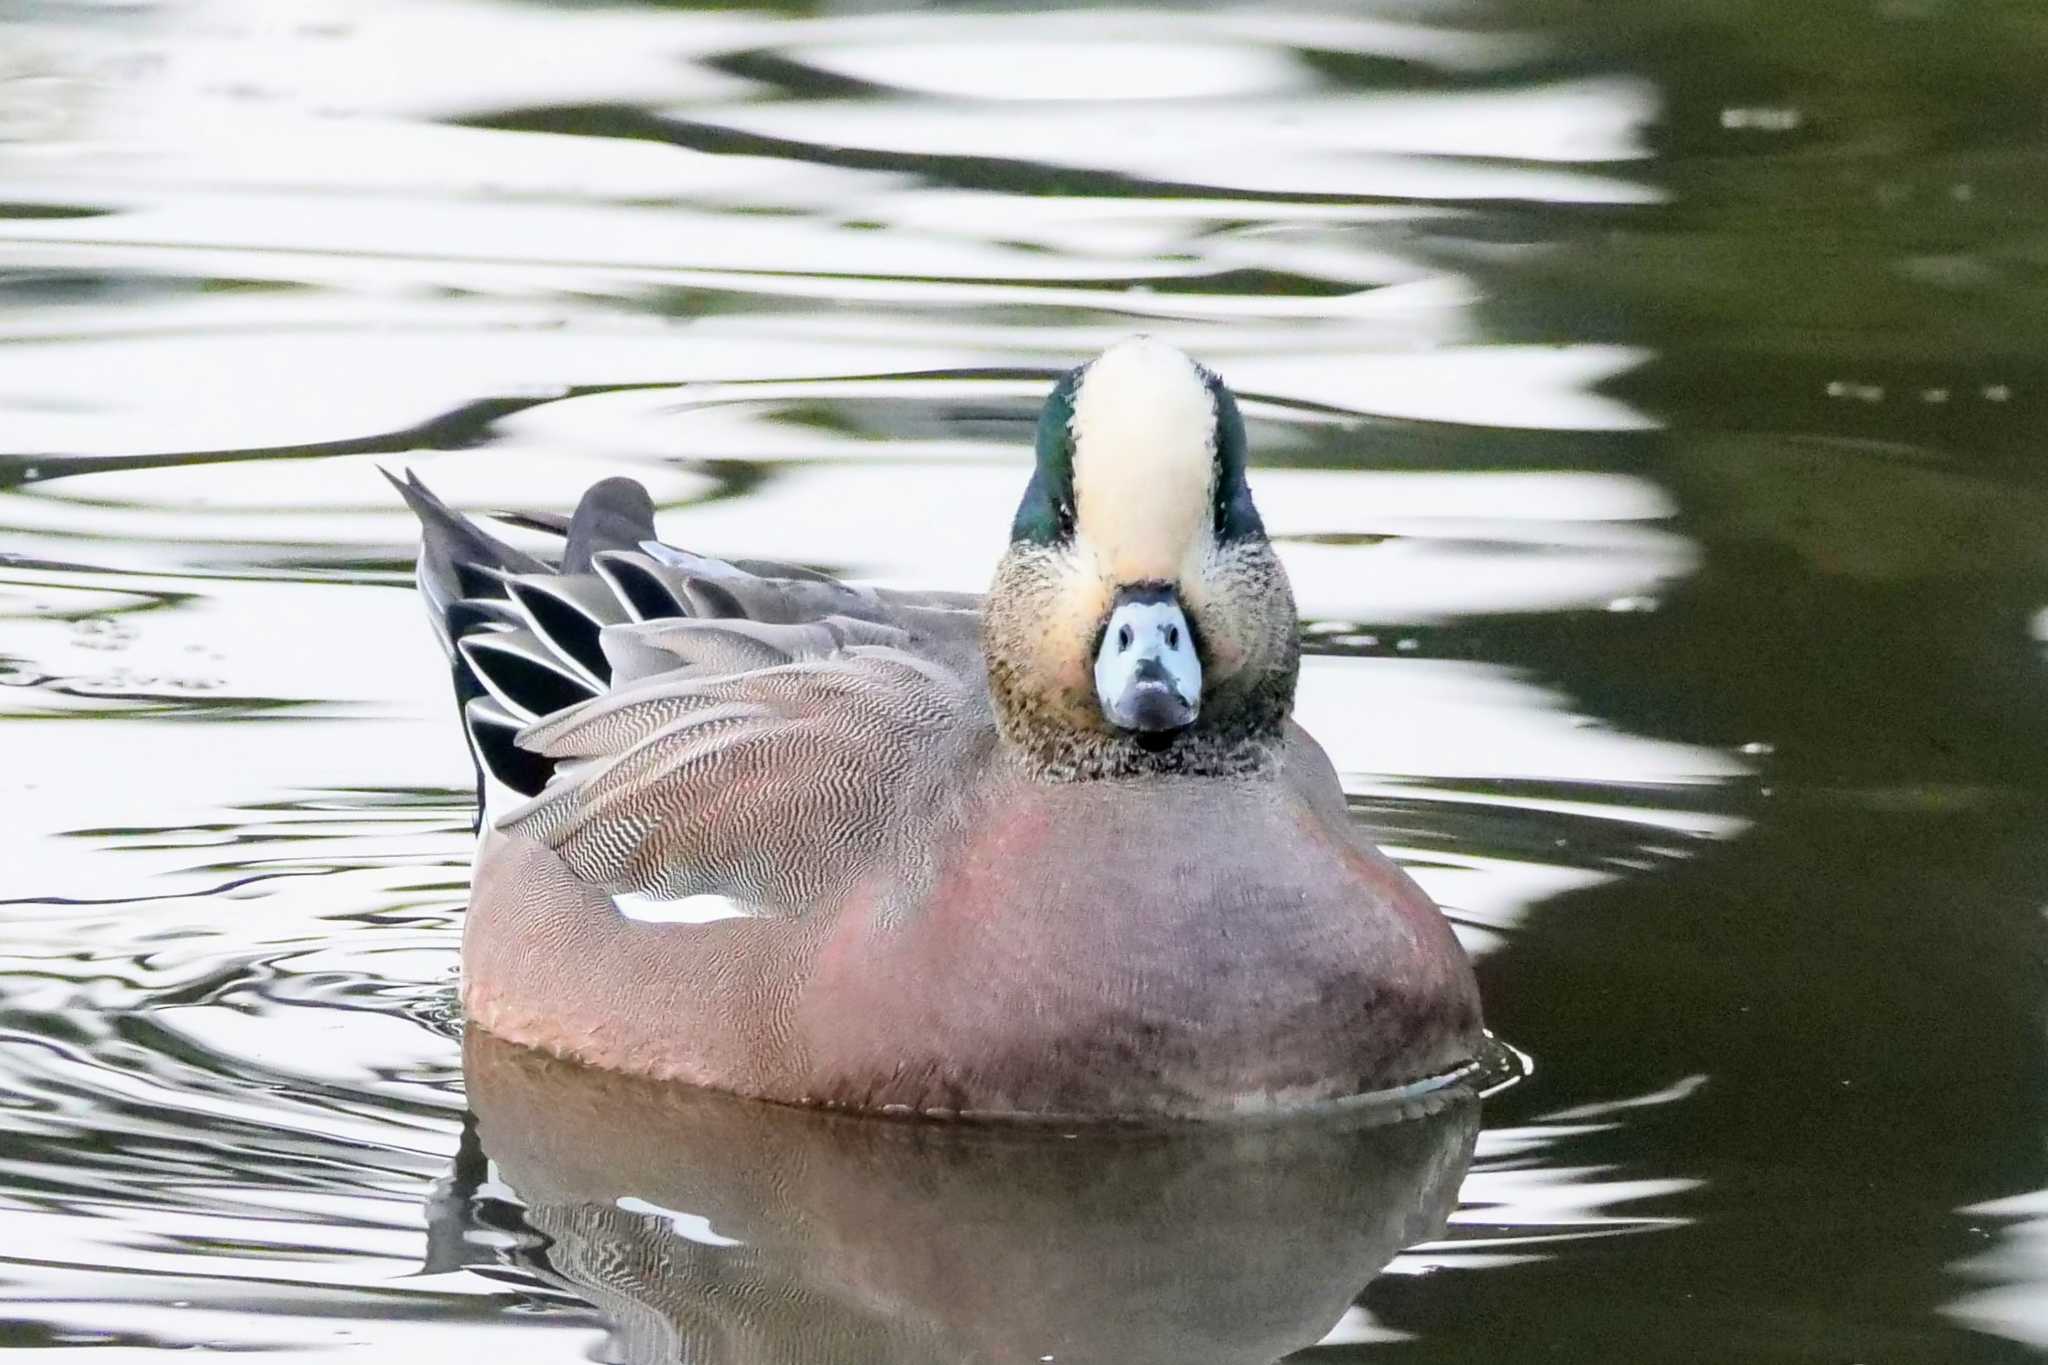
[1165, 946]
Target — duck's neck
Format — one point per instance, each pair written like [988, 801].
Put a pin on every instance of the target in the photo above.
[1049, 751]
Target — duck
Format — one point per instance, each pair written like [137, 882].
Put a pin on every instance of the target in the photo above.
[1055, 851]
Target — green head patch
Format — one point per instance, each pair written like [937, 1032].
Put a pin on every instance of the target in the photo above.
[1046, 515]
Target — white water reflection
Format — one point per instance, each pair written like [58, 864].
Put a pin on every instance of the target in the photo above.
[1517, 1207]
[1404, 146]
[2013, 1268]
[1112, 59]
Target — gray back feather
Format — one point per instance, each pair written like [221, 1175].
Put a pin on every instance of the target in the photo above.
[681, 725]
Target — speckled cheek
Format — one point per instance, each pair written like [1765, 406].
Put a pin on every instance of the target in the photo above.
[1066, 658]
[1216, 622]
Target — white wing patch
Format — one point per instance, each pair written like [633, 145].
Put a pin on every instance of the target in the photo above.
[704, 908]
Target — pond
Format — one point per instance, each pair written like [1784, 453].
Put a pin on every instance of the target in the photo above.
[1648, 406]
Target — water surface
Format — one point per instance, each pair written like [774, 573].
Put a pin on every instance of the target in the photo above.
[1647, 405]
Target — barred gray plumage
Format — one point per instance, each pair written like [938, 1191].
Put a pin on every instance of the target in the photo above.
[667, 717]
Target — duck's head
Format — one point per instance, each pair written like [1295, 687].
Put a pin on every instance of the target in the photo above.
[1140, 621]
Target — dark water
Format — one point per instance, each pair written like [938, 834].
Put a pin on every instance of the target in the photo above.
[1649, 400]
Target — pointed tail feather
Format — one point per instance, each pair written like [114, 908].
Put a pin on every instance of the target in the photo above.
[521, 639]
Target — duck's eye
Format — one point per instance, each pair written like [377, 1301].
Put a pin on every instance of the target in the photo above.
[1066, 515]
[1123, 637]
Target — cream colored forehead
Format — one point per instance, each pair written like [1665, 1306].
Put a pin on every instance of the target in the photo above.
[1144, 460]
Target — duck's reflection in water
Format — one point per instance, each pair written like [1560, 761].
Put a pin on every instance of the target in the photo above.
[709, 1229]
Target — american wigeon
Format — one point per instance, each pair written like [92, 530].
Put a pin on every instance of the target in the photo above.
[1056, 850]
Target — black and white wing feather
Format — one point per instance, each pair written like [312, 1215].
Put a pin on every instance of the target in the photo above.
[672, 724]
